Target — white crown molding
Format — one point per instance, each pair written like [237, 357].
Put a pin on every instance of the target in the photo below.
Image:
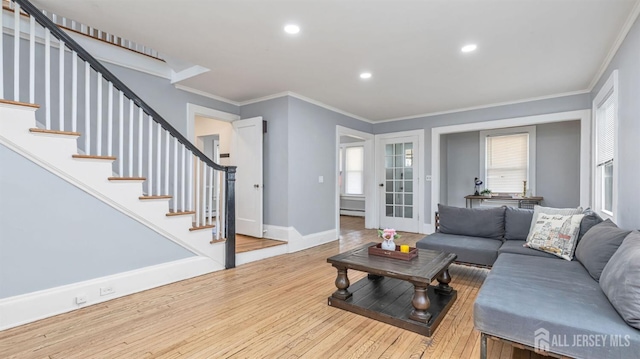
[206, 94]
[631, 19]
[305, 99]
[497, 104]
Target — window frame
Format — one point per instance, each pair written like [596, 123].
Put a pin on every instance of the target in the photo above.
[531, 166]
[343, 171]
[609, 90]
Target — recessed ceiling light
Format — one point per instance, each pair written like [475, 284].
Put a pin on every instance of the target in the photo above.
[365, 75]
[292, 29]
[469, 48]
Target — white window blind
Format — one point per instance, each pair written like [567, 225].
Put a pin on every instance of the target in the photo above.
[354, 170]
[507, 159]
[605, 122]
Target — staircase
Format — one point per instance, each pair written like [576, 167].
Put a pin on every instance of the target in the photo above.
[90, 129]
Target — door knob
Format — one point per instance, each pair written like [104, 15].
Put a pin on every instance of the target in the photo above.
[256, 185]
[381, 184]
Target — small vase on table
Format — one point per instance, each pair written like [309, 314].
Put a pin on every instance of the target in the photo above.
[388, 236]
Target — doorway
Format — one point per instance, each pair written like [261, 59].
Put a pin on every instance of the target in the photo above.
[355, 184]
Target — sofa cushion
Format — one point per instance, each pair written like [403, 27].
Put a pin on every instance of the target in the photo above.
[620, 279]
[550, 210]
[517, 222]
[590, 219]
[556, 234]
[523, 294]
[476, 250]
[598, 245]
[517, 247]
[477, 222]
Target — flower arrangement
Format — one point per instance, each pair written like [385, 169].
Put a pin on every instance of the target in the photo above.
[388, 234]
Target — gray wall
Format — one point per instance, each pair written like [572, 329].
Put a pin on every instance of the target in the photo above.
[627, 61]
[557, 164]
[462, 165]
[531, 108]
[52, 233]
[276, 157]
[312, 153]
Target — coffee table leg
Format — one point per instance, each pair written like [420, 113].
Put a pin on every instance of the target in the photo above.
[443, 283]
[342, 282]
[420, 304]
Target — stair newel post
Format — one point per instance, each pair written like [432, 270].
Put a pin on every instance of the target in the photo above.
[230, 200]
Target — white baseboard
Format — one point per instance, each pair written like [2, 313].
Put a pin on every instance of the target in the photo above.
[298, 242]
[256, 255]
[312, 240]
[349, 212]
[30, 307]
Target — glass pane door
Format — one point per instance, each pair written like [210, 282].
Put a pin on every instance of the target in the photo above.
[399, 187]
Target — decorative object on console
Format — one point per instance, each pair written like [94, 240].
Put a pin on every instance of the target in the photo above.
[556, 234]
[477, 183]
[388, 235]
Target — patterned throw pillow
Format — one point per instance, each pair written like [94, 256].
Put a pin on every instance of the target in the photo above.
[556, 234]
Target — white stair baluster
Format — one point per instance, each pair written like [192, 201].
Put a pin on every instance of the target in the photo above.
[1, 58]
[150, 158]
[61, 84]
[99, 114]
[121, 156]
[175, 174]
[203, 195]
[210, 195]
[16, 52]
[32, 59]
[183, 185]
[190, 183]
[130, 148]
[197, 198]
[110, 122]
[87, 108]
[167, 145]
[159, 160]
[74, 91]
[47, 78]
[140, 138]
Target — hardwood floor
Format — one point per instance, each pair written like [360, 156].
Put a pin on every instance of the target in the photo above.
[274, 308]
[247, 243]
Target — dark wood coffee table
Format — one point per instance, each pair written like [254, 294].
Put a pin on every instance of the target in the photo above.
[396, 292]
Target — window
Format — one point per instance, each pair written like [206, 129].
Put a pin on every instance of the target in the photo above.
[606, 115]
[354, 170]
[507, 159]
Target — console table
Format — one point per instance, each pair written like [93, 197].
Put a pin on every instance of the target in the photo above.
[523, 202]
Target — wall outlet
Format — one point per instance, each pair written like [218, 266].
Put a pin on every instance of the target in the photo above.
[427, 178]
[107, 290]
[81, 299]
[321, 179]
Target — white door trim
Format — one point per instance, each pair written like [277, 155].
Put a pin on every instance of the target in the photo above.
[370, 209]
[420, 164]
[585, 147]
[194, 110]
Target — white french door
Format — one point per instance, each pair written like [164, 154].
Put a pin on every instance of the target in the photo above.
[398, 183]
[246, 153]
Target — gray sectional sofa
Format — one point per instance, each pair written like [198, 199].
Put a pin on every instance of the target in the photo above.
[588, 307]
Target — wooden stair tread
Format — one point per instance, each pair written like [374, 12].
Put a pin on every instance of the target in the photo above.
[54, 132]
[218, 240]
[94, 157]
[17, 103]
[127, 178]
[202, 227]
[183, 213]
[156, 197]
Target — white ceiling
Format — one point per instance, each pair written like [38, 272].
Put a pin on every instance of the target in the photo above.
[526, 48]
